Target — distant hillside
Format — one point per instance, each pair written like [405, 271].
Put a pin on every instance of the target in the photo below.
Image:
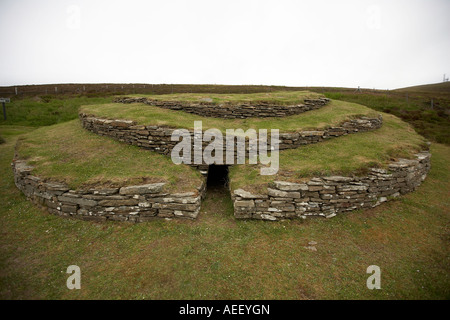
[106, 89]
[426, 107]
[443, 87]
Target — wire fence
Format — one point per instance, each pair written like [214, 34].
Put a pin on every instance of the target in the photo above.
[91, 89]
[139, 88]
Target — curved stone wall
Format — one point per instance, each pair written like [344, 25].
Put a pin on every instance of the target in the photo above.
[292, 140]
[232, 111]
[328, 196]
[129, 203]
[317, 197]
[158, 139]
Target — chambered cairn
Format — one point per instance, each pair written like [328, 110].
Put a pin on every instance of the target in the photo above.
[281, 196]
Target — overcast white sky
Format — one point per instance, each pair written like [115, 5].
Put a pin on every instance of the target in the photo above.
[372, 44]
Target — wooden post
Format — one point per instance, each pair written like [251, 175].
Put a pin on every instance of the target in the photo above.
[4, 101]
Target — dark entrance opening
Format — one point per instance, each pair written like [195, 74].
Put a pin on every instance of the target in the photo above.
[217, 177]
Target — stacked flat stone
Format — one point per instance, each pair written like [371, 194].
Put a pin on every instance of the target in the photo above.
[232, 110]
[129, 203]
[327, 196]
[158, 139]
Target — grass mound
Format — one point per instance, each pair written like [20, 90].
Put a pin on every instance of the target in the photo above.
[68, 153]
[330, 115]
[278, 97]
[347, 155]
[352, 154]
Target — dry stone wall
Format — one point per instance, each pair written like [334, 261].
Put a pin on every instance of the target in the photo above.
[292, 140]
[158, 139]
[232, 111]
[328, 196]
[316, 197]
[129, 203]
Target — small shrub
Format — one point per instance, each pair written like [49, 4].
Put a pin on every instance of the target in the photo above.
[47, 98]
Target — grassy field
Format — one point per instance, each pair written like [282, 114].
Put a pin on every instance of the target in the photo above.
[46, 110]
[218, 257]
[68, 153]
[330, 115]
[346, 155]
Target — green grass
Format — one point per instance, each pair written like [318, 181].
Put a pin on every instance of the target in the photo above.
[332, 114]
[11, 131]
[46, 110]
[415, 109]
[345, 155]
[278, 97]
[68, 153]
[217, 257]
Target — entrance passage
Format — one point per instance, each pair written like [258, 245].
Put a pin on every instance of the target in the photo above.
[217, 199]
[217, 177]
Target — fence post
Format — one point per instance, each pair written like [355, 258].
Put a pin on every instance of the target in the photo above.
[4, 110]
